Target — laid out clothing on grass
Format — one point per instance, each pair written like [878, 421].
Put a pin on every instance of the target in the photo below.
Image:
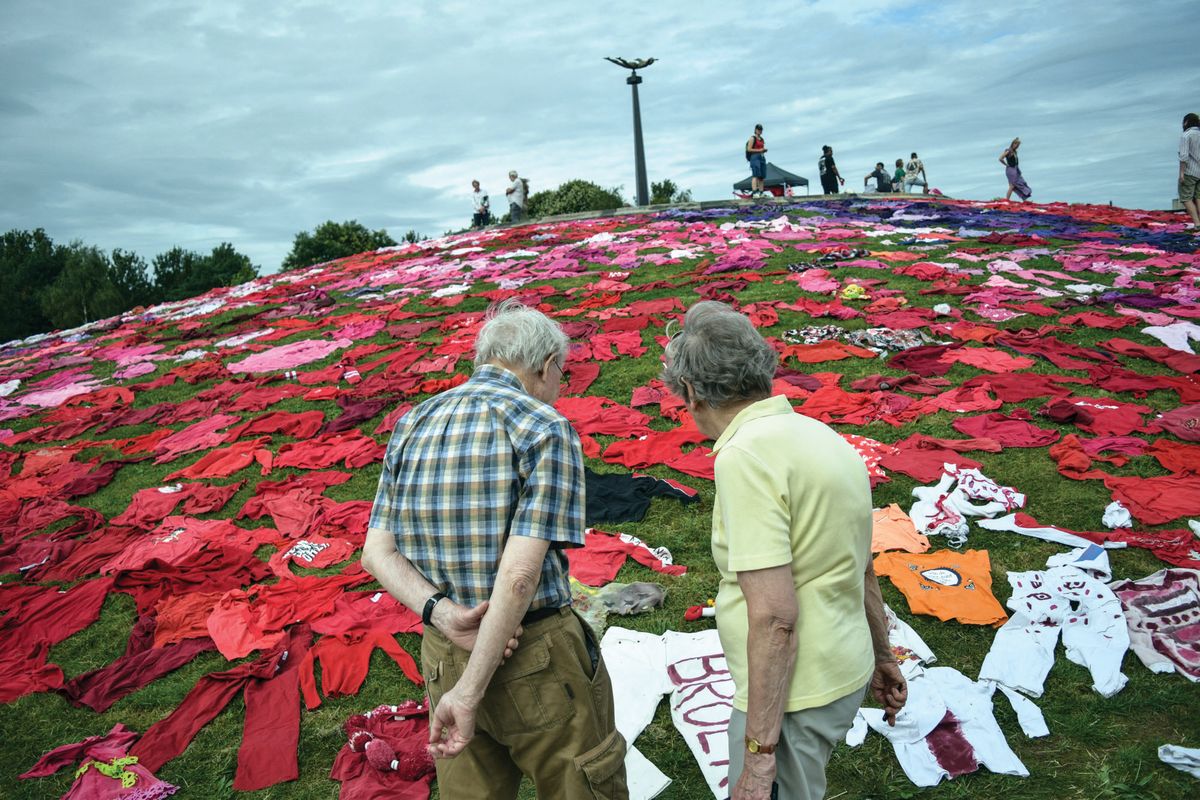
[344, 663]
[386, 756]
[271, 734]
[106, 770]
[1163, 613]
[946, 730]
[1045, 603]
[603, 554]
[892, 529]
[945, 584]
[691, 669]
[616, 497]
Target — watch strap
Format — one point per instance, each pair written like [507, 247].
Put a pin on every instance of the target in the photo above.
[427, 614]
[755, 746]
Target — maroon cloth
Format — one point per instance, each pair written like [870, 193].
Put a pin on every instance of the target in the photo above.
[922, 460]
[100, 688]
[89, 554]
[119, 737]
[271, 731]
[51, 615]
[926, 361]
[1184, 422]
[1018, 387]
[1175, 359]
[1154, 501]
[25, 671]
[1010, 430]
[300, 425]
[316, 482]
[407, 734]
[1041, 342]
[209, 570]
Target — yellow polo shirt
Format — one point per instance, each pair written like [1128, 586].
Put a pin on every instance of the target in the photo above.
[791, 491]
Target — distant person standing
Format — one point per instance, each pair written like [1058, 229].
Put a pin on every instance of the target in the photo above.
[883, 183]
[1189, 168]
[479, 202]
[914, 175]
[827, 167]
[756, 149]
[898, 176]
[1012, 170]
[516, 197]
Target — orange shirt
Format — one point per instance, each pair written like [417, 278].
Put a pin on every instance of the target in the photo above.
[892, 529]
[945, 584]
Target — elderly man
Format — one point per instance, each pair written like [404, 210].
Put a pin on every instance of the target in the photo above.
[480, 205]
[516, 197]
[482, 489]
[799, 610]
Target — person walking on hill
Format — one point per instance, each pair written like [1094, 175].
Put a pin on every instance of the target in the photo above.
[516, 197]
[1189, 168]
[914, 175]
[827, 168]
[1012, 169]
[883, 183]
[481, 206]
[756, 149]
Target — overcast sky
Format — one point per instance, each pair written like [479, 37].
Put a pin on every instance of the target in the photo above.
[145, 124]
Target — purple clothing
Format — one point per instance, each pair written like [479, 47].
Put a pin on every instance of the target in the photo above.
[1017, 182]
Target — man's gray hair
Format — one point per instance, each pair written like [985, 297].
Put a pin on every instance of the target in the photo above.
[721, 355]
[519, 336]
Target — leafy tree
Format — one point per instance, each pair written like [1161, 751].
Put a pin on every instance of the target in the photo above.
[572, 197]
[666, 191]
[180, 274]
[29, 263]
[130, 276]
[333, 240]
[412, 237]
[83, 291]
[227, 267]
[172, 271]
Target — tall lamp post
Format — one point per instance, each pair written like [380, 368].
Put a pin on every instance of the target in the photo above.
[639, 152]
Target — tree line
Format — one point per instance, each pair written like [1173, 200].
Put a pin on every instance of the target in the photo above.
[48, 286]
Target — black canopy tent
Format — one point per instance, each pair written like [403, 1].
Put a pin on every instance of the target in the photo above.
[775, 182]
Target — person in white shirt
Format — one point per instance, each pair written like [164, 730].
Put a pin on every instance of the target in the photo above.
[914, 174]
[516, 197]
[1189, 168]
[480, 205]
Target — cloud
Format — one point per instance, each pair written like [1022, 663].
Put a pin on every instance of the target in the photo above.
[143, 125]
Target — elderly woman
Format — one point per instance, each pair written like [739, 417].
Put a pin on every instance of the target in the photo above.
[799, 610]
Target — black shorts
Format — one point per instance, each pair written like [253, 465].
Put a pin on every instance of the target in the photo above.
[829, 184]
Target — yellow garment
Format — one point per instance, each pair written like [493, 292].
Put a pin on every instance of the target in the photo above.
[894, 530]
[790, 490]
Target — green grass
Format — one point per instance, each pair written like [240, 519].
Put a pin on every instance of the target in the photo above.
[1097, 747]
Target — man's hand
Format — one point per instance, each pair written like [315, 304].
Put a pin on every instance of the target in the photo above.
[460, 625]
[889, 688]
[756, 779]
[451, 725]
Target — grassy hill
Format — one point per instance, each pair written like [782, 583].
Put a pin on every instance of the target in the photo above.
[94, 402]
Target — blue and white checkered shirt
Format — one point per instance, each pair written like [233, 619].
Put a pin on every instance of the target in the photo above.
[472, 466]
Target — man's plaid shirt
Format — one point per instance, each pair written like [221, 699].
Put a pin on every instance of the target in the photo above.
[472, 466]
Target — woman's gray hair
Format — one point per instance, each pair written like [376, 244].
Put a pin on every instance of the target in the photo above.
[519, 336]
[721, 355]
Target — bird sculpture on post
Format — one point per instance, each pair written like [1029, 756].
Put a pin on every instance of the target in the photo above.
[639, 152]
[637, 64]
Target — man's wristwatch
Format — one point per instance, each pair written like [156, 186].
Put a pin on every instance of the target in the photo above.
[427, 614]
[755, 746]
